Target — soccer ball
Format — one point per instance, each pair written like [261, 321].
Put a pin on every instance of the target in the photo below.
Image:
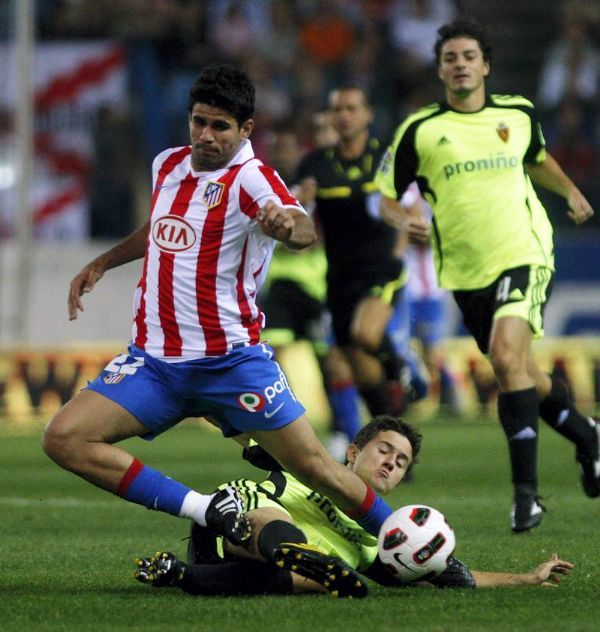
[415, 542]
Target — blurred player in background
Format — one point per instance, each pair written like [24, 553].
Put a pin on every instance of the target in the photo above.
[308, 544]
[364, 277]
[216, 214]
[474, 157]
[293, 298]
[426, 311]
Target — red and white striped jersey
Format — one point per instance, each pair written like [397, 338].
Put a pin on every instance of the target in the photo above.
[422, 281]
[206, 257]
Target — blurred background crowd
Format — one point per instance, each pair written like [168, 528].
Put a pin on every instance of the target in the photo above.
[111, 80]
[296, 50]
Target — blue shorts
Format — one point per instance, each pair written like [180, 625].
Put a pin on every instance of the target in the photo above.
[427, 320]
[241, 391]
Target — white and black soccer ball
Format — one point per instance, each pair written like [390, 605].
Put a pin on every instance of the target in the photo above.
[415, 543]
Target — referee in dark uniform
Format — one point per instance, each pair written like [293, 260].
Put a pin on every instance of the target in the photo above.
[364, 276]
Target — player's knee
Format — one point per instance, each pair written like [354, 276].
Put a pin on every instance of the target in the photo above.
[276, 533]
[506, 361]
[367, 339]
[61, 442]
[54, 442]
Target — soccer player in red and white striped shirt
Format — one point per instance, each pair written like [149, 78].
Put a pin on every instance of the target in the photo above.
[216, 213]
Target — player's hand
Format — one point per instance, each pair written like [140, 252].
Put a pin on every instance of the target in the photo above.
[549, 573]
[83, 283]
[580, 209]
[276, 221]
[418, 230]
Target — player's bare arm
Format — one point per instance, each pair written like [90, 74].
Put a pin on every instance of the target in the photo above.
[418, 230]
[129, 249]
[416, 227]
[548, 573]
[290, 226]
[549, 174]
[392, 212]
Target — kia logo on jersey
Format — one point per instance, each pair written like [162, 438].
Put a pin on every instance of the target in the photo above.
[173, 234]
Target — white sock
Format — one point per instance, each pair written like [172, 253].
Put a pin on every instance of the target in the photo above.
[194, 506]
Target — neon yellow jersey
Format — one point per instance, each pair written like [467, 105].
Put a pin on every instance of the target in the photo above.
[323, 524]
[307, 268]
[470, 167]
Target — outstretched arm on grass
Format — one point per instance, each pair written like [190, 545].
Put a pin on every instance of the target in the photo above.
[548, 573]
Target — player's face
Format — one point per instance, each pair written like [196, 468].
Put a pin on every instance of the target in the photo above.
[462, 68]
[350, 114]
[215, 136]
[382, 463]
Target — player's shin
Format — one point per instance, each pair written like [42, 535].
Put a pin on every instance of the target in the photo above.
[236, 578]
[274, 534]
[377, 399]
[221, 511]
[152, 489]
[343, 399]
[518, 412]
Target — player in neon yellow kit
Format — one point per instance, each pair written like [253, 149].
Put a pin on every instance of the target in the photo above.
[474, 156]
[302, 542]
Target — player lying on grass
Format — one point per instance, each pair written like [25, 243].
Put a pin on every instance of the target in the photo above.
[308, 543]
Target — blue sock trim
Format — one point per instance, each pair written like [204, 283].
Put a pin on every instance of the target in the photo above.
[375, 517]
[154, 490]
[344, 406]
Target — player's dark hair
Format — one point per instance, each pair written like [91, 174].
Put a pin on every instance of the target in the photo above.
[387, 422]
[463, 27]
[224, 87]
[350, 86]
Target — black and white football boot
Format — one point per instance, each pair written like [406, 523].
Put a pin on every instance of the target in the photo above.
[527, 512]
[589, 464]
[224, 515]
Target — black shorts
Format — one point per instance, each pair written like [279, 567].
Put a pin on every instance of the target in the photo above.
[292, 314]
[344, 295]
[522, 292]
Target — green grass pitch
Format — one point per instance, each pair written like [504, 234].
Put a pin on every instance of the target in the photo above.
[67, 548]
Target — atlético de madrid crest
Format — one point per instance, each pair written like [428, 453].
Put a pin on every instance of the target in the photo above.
[213, 194]
[503, 131]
